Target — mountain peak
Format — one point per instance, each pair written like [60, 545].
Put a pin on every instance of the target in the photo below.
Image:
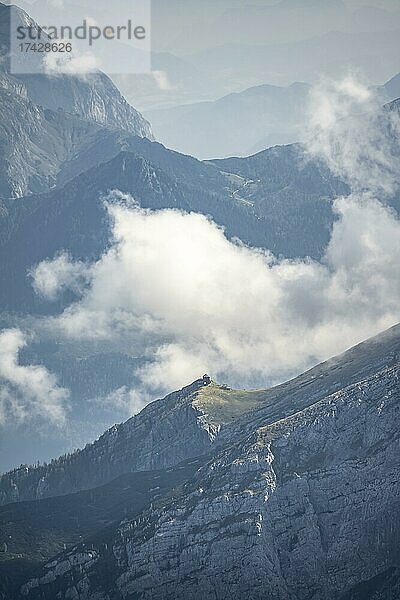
[94, 98]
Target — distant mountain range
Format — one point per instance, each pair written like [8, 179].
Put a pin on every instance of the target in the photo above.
[284, 492]
[242, 123]
[236, 125]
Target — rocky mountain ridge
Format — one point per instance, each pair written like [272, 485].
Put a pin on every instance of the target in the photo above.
[194, 420]
[183, 425]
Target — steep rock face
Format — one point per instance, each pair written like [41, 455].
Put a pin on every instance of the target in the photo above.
[47, 120]
[306, 507]
[93, 97]
[33, 533]
[394, 105]
[43, 148]
[35, 143]
[165, 433]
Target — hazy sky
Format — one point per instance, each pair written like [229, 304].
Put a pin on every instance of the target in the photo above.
[205, 50]
[186, 26]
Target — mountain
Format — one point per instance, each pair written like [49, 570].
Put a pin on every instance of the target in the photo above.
[243, 123]
[45, 121]
[295, 497]
[287, 207]
[238, 124]
[303, 507]
[331, 54]
[274, 200]
[38, 144]
[93, 97]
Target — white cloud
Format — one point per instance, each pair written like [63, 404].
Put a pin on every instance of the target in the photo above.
[69, 64]
[191, 301]
[356, 138]
[195, 301]
[162, 80]
[50, 278]
[124, 401]
[91, 21]
[27, 392]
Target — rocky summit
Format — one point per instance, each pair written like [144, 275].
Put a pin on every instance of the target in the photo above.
[290, 493]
